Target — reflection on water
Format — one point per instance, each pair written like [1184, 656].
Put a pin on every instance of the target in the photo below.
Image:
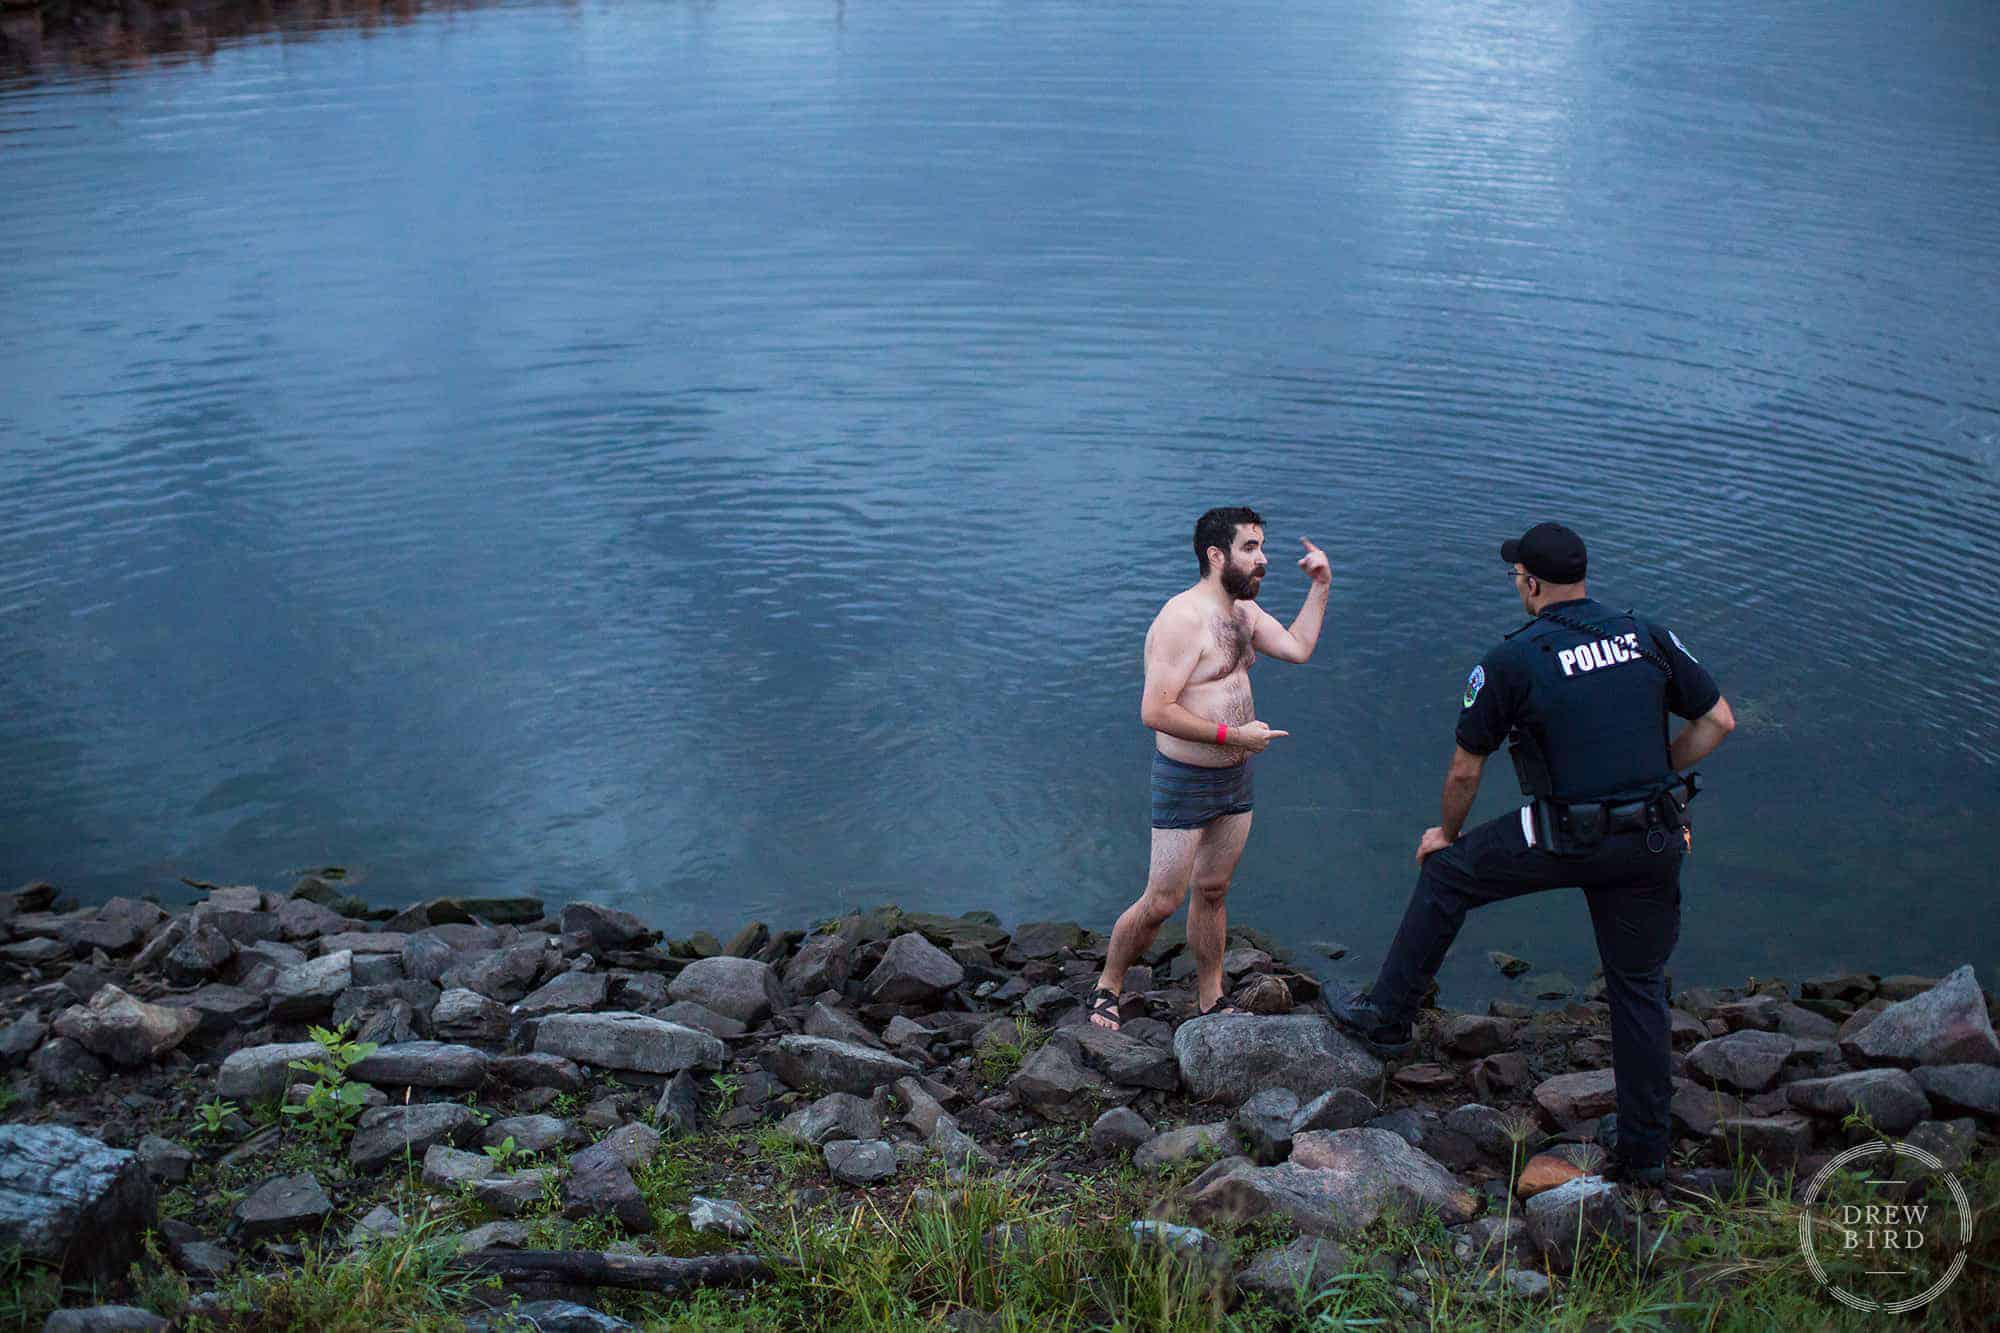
[723, 459]
[132, 34]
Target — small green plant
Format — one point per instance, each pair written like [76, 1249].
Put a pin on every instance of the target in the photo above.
[998, 1059]
[214, 1116]
[727, 1088]
[28, 1291]
[332, 1103]
[8, 1096]
[507, 1154]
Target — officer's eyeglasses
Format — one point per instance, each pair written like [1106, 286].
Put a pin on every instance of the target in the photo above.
[1513, 574]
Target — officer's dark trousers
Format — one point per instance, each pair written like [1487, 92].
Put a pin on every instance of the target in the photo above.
[1635, 908]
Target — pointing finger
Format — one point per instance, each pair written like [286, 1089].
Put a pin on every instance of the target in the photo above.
[1308, 545]
[1276, 732]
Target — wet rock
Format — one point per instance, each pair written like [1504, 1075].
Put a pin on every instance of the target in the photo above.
[71, 1201]
[1509, 965]
[123, 1029]
[422, 1064]
[262, 1073]
[565, 993]
[1962, 1089]
[281, 1207]
[1054, 1083]
[912, 971]
[823, 963]
[1125, 1059]
[1302, 1271]
[105, 1319]
[600, 1185]
[1336, 1182]
[1473, 1035]
[448, 1168]
[307, 991]
[742, 989]
[860, 1162]
[1745, 1061]
[838, 1115]
[383, 1135]
[1225, 1058]
[724, 1216]
[531, 1133]
[1891, 1098]
[1188, 1143]
[678, 1111]
[537, 1071]
[630, 1041]
[834, 1066]
[1568, 1099]
[1119, 1130]
[605, 928]
[1264, 1123]
[1576, 1215]
[1343, 1108]
[1945, 1025]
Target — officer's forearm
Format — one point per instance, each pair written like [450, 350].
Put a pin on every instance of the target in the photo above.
[1459, 789]
[1699, 738]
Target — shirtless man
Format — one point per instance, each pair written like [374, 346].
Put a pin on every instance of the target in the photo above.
[1197, 698]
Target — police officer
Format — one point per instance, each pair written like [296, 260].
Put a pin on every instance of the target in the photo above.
[1582, 694]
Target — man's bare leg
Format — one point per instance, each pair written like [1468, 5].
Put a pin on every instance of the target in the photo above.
[1167, 874]
[1215, 859]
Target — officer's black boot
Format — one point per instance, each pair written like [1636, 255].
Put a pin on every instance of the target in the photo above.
[1652, 1175]
[1356, 1011]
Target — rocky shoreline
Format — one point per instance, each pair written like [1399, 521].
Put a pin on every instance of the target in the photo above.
[568, 1110]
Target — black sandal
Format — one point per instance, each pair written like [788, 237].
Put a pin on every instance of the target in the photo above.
[1222, 1006]
[1104, 1004]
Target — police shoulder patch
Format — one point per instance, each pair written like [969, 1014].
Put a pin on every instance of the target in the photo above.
[1474, 684]
[1683, 647]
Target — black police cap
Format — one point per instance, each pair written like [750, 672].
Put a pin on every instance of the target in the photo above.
[1549, 551]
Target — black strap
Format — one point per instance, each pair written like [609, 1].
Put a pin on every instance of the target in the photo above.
[1571, 622]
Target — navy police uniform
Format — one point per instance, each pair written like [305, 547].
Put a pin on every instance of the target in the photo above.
[1582, 692]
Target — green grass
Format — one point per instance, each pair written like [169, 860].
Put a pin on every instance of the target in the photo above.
[999, 1060]
[402, 1282]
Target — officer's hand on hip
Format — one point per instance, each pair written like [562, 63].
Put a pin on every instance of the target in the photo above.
[1434, 840]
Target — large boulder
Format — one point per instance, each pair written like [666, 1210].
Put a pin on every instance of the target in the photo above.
[1890, 1098]
[72, 1202]
[600, 1184]
[123, 1029]
[383, 1135]
[739, 988]
[821, 964]
[1338, 1181]
[1963, 1089]
[566, 993]
[306, 991]
[1056, 1084]
[1576, 1214]
[829, 1065]
[1124, 1059]
[621, 1040]
[913, 971]
[1945, 1025]
[604, 929]
[1568, 1099]
[1226, 1057]
[1744, 1061]
[838, 1115]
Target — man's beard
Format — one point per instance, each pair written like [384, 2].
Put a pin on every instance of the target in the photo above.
[1241, 586]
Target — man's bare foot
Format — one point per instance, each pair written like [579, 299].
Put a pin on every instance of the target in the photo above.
[1220, 1006]
[1104, 1009]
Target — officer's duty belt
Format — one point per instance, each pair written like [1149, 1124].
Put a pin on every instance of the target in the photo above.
[1581, 825]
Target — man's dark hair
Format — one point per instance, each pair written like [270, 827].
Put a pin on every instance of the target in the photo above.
[1218, 528]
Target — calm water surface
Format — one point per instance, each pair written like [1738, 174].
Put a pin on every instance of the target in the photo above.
[722, 458]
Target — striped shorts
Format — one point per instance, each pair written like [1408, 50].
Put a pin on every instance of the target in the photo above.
[1190, 796]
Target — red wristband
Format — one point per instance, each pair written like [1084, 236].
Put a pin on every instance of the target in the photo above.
[1222, 733]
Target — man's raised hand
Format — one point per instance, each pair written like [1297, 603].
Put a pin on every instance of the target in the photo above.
[1315, 564]
[1254, 736]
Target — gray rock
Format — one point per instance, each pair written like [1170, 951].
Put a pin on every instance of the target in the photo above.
[1056, 1085]
[66, 1069]
[678, 1111]
[531, 1133]
[605, 929]
[1575, 1215]
[72, 1202]
[1343, 1108]
[619, 1040]
[384, 1134]
[600, 1185]
[1482, 1126]
[1962, 1089]
[1696, 1110]
[739, 988]
[838, 1115]
[1473, 1035]
[1746, 1061]
[308, 990]
[635, 1144]
[165, 1161]
[913, 971]
[262, 1073]
[565, 993]
[699, 1016]
[1188, 1143]
[725, 1216]
[1569, 1099]
[1042, 939]
[860, 1161]
[448, 1168]
[428, 955]
[1125, 1059]
[508, 974]
[381, 1223]
[282, 1206]
[1891, 1098]
[105, 1319]
[1226, 1058]
[199, 954]
[1805, 1024]
[1264, 1123]
[120, 924]
[422, 1064]
[953, 1146]
[821, 964]
[123, 1029]
[1338, 1181]
[1119, 1130]
[203, 1259]
[836, 1024]
[221, 1009]
[19, 1038]
[920, 1108]
[834, 1066]
[1305, 1269]
[538, 1071]
[1945, 1025]
[514, 1192]
[463, 1015]
[493, 1236]
[547, 1317]
[1776, 1140]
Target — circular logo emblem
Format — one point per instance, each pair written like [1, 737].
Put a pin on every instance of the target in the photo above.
[1876, 1241]
[1473, 684]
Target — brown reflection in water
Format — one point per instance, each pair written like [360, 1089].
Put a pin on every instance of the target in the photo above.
[127, 34]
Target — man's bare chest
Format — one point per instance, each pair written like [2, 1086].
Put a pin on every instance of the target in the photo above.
[1225, 649]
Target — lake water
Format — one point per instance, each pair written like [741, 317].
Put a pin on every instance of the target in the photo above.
[722, 459]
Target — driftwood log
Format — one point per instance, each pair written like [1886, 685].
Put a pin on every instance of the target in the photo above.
[594, 1268]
